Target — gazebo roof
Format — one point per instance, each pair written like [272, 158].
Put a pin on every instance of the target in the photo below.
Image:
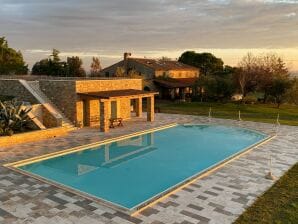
[113, 94]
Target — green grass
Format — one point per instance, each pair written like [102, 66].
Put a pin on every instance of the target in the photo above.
[278, 205]
[258, 112]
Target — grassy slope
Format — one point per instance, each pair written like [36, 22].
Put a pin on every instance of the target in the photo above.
[258, 112]
[278, 205]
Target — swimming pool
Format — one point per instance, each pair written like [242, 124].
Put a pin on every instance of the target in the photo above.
[132, 172]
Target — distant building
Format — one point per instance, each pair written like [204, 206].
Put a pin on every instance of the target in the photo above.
[172, 79]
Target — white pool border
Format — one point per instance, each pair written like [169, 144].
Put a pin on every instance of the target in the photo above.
[156, 198]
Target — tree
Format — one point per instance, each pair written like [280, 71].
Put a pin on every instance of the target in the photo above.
[74, 67]
[41, 67]
[120, 72]
[55, 55]
[270, 67]
[215, 87]
[245, 75]
[95, 67]
[53, 66]
[279, 89]
[206, 62]
[165, 58]
[292, 94]
[11, 61]
[256, 73]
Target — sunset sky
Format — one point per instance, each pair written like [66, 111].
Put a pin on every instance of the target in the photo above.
[151, 28]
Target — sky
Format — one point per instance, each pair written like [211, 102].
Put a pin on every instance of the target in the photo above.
[151, 28]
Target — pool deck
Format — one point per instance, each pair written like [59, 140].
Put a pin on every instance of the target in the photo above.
[217, 198]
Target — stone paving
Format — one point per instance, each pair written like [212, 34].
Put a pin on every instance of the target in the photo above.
[217, 198]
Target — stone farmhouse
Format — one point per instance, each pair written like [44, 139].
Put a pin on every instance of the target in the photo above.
[172, 79]
[72, 103]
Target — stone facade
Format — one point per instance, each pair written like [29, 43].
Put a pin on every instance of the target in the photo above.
[81, 111]
[63, 94]
[86, 112]
[85, 86]
[14, 88]
[149, 69]
[120, 107]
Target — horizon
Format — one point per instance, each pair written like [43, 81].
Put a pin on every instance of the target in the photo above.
[227, 28]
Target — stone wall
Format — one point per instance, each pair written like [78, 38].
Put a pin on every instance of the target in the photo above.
[92, 107]
[49, 121]
[85, 86]
[63, 94]
[15, 88]
[125, 108]
[32, 136]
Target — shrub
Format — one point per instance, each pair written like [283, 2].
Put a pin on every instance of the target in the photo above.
[13, 117]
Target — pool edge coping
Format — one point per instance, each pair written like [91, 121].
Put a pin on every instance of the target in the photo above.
[84, 147]
[149, 202]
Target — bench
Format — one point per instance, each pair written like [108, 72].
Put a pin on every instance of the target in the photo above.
[117, 121]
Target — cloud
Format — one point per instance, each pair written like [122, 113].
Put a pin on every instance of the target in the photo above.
[110, 27]
[292, 14]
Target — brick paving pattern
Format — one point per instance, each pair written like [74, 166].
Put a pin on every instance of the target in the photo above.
[218, 198]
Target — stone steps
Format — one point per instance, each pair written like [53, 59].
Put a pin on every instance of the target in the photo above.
[33, 88]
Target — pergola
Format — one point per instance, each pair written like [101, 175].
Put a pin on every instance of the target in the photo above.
[106, 97]
[179, 85]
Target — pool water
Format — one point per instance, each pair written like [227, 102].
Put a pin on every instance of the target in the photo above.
[129, 172]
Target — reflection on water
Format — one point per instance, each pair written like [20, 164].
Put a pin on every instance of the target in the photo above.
[106, 156]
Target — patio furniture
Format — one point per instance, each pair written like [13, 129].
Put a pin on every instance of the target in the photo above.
[116, 121]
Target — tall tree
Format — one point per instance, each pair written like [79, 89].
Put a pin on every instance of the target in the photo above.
[74, 67]
[279, 88]
[257, 73]
[54, 66]
[245, 76]
[292, 94]
[11, 61]
[95, 67]
[206, 62]
[270, 67]
[51, 66]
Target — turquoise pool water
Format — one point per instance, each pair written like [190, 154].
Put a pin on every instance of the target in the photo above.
[132, 171]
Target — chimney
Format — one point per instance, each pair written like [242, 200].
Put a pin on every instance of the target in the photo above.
[125, 59]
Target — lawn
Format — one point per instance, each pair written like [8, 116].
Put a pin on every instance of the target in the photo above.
[251, 112]
[278, 205]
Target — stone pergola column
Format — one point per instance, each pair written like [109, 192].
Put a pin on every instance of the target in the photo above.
[139, 107]
[105, 113]
[150, 108]
[92, 112]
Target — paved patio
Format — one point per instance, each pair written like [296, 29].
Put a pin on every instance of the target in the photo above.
[218, 198]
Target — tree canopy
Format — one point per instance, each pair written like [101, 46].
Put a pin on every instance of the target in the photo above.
[53, 66]
[95, 67]
[257, 73]
[206, 62]
[11, 61]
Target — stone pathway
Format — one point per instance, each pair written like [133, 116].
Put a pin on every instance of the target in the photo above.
[218, 198]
